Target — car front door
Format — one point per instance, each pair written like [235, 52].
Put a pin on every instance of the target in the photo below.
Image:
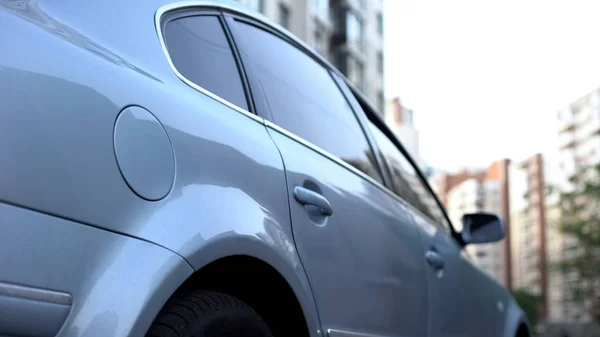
[455, 302]
[360, 249]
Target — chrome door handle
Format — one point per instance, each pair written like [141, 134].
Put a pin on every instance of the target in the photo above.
[308, 197]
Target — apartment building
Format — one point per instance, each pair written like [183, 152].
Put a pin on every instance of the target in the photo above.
[537, 243]
[579, 147]
[399, 119]
[349, 33]
[579, 134]
[480, 191]
[479, 195]
[442, 182]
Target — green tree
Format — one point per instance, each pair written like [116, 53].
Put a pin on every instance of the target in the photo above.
[580, 220]
[530, 303]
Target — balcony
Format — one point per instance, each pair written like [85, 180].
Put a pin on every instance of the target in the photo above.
[348, 26]
[523, 165]
[592, 125]
[566, 127]
[320, 11]
[347, 40]
[357, 5]
[567, 141]
[569, 145]
[583, 116]
[566, 120]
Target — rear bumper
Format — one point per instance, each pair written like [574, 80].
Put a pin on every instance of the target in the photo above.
[61, 276]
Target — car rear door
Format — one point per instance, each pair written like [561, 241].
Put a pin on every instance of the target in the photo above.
[456, 307]
[360, 249]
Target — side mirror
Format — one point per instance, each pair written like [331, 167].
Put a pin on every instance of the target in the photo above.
[482, 228]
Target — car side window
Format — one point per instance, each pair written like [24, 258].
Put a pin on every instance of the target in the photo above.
[200, 51]
[303, 98]
[406, 182]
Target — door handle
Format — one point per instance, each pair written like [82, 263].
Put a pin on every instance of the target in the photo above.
[435, 259]
[308, 197]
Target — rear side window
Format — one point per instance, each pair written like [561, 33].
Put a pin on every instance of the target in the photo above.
[201, 52]
[303, 98]
[406, 182]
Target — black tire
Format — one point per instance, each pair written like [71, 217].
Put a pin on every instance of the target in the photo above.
[207, 314]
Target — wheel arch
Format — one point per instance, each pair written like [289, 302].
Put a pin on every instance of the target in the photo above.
[261, 274]
[523, 330]
[517, 324]
[257, 284]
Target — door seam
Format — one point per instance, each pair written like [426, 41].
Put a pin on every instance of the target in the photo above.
[287, 188]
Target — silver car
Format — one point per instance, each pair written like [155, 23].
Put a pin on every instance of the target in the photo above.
[192, 169]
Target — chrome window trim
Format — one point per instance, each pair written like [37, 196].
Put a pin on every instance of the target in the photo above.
[334, 158]
[349, 167]
[36, 294]
[260, 18]
[342, 333]
[325, 153]
[251, 14]
[157, 23]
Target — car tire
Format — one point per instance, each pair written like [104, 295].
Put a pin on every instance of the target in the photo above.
[207, 314]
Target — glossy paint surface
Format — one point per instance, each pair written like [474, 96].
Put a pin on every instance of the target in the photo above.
[144, 153]
[365, 261]
[14, 308]
[117, 283]
[229, 173]
[56, 133]
[74, 225]
[462, 300]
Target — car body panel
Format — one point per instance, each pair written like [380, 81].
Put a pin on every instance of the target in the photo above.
[117, 284]
[449, 288]
[486, 309]
[229, 196]
[240, 180]
[18, 303]
[77, 175]
[515, 318]
[364, 262]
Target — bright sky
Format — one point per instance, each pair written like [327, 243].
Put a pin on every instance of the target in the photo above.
[486, 78]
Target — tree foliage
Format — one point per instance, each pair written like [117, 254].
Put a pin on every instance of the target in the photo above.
[530, 303]
[580, 221]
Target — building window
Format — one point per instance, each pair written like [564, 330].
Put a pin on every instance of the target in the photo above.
[595, 99]
[407, 116]
[355, 72]
[358, 4]
[318, 41]
[380, 62]
[258, 5]
[321, 8]
[284, 16]
[380, 24]
[354, 30]
[380, 103]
